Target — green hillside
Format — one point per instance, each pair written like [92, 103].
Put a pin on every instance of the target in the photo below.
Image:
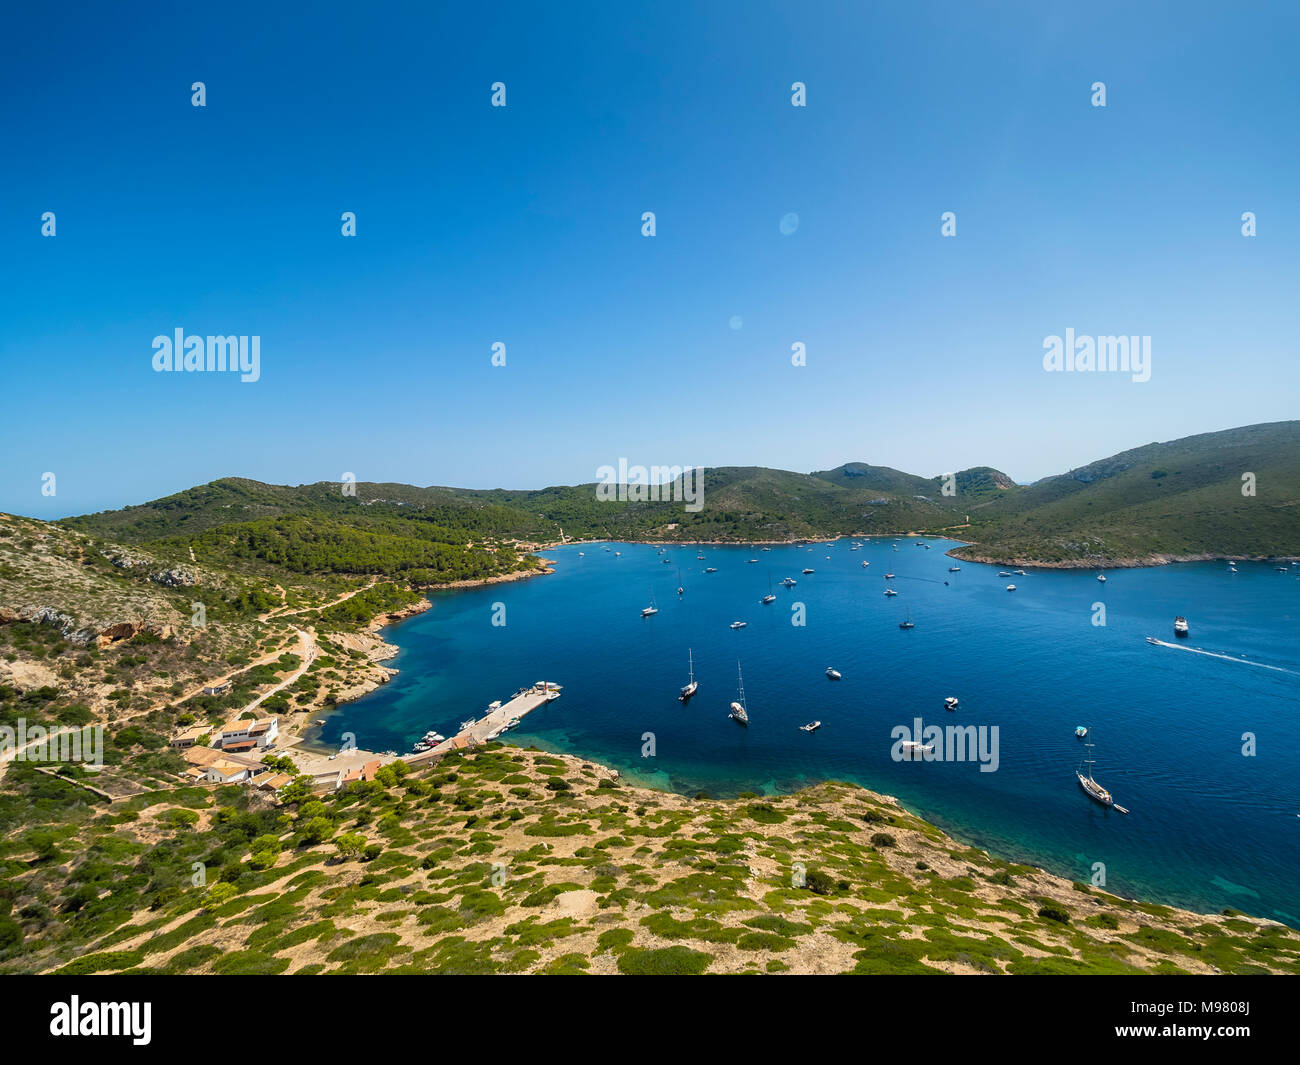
[1166, 500]
[1177, 499]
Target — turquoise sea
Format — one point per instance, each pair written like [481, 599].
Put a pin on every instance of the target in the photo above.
[1209, 826]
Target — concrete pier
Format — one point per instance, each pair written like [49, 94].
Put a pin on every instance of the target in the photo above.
[526, 702]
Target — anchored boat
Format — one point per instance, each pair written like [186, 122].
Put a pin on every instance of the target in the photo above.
[1090, 787]
[739, 712]
[692, 685]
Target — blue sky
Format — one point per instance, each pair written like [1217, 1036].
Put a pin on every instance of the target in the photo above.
[523, 225]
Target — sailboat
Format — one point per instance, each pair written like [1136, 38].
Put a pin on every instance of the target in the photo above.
[909, 623]
[1090, 787]
[769, 598]
[680, 589]
[692, 685]
[651, 610]
[739, 713]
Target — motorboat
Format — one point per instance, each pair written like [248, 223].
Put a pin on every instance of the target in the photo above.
[834, 674]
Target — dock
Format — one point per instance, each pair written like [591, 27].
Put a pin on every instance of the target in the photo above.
[522, 703]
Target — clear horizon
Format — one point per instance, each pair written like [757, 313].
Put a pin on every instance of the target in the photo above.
[522, 225]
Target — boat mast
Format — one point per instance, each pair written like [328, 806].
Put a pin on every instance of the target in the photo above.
[740, 683]
[691, 657]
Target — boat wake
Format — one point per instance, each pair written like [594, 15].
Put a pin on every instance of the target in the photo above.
[1215, 654]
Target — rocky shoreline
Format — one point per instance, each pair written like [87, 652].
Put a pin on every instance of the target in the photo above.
[1110, 563]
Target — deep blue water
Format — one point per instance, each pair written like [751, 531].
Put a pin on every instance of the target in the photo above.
[1209, 827]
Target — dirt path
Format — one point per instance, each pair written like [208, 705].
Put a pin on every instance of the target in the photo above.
[307, 651]
[285, 612]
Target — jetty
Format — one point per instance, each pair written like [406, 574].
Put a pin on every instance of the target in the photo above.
[493, 722]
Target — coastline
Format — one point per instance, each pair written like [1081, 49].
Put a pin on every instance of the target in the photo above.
[1147, 562]
[1143, 562]
[369, 641]
[1054, 885]
[659, 784]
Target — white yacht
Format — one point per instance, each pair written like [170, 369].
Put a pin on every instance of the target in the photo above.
[812, 726]
[950, 703]
[692, 685]
[739, 712]
[890, 591]
[739, 624]
[1011, 587]
[834, 674]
